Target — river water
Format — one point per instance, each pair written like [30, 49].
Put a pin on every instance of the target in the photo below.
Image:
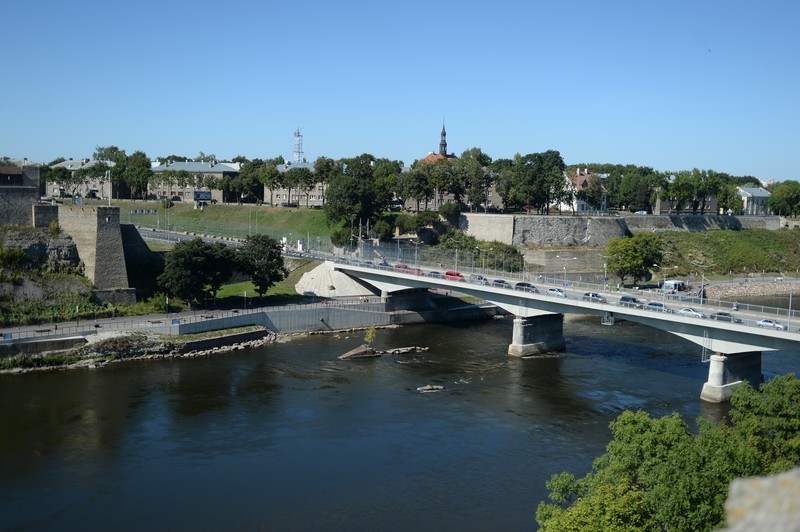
[287, 437]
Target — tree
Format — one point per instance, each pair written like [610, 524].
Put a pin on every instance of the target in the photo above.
[351, 196]
[194, 269]
[386, 176]
[304, 179]
[658, 475]
[472, 170]
[785, 198]
[260, 259]
[633, 256]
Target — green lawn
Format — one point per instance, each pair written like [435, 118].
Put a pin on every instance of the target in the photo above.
[232, 295]
[227, 220]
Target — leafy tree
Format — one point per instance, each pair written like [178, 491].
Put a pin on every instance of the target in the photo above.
[728, 199]
[326, 170]
[260, 258]
[657, 475]
[386, 174]
[304, 179]
[785, 198]
[194, 269]
[138, 179]
[248, 184]
[417, 185]
[451, 213]
[633, 256]
[351, 196]
[219, 267]
[383, 230]
[472, 170]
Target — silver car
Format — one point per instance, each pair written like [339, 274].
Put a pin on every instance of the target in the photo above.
[692, 313]
[770, 324]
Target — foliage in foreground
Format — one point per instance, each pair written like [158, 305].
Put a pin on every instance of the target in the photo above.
[657, 475]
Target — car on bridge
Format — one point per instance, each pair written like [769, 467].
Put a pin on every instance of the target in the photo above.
[768, 323]
[692, 313]
[725, 316]
[594, 297]
[659, 307]
[404, 268]
[557, 292]
[435, 275]
[630, 301]
[501, 283]
[526, 287]
[478, 279]
[454, 276]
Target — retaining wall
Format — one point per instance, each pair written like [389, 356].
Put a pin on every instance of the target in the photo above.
[595, 231]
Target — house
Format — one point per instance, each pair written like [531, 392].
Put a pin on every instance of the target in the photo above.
[91, 187]
[578, 184]
[180, 179]
[755, 201]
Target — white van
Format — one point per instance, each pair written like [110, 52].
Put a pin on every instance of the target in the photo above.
[674, 286]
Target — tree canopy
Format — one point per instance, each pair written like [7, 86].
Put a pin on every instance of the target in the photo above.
[260, 259]
[658, 475]
[633, 256]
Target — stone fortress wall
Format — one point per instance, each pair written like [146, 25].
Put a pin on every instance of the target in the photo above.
[96, 232]
[583, 238]
[15, 205]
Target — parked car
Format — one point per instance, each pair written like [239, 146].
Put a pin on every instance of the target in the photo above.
[501, 283]
[692, 313]
[435, 275]
[526, 287]
[478, 279]
[454, 276]
[770, 324]
[630, 301]
[594, 297]
[557, 292]
[725, 316]
[658, 306]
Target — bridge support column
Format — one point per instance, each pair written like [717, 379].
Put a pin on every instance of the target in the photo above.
[726, 372]
[537, 335]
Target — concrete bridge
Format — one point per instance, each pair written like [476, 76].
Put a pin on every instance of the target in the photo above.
[733, 347]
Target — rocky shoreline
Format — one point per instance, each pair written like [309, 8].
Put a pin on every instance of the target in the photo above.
[733, 291]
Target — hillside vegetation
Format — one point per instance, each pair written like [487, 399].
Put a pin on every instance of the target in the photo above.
[737, 253]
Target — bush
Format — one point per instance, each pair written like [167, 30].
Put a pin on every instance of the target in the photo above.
[53, 228]
[426, 218]
[383, 230]
[450, 212]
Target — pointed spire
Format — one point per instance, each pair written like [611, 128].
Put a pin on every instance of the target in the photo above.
[443, 142]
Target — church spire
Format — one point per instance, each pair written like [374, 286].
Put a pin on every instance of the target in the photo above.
[443, 142]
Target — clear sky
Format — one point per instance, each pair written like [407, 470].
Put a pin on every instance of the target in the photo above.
[674, 85]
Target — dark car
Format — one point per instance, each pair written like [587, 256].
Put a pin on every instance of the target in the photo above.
[630, 301]
[594, 297]
[659, 307]
[501, 283]
[526, 287]
[436, 275]
[725, 316]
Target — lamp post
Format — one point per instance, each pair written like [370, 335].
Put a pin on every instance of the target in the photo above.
[565, 266]
[703, 279]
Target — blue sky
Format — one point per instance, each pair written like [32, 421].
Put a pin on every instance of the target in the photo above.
[672, 85]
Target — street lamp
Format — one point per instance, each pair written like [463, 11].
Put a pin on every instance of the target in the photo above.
[703, 279]
[565, 266]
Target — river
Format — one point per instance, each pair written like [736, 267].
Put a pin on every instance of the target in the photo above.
[287, 437]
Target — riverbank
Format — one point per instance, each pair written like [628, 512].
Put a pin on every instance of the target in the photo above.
[734, 291]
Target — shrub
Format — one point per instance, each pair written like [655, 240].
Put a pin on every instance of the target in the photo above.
[53, 228]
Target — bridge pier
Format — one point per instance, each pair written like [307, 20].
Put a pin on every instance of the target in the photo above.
[726, 372]
[537, 335]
